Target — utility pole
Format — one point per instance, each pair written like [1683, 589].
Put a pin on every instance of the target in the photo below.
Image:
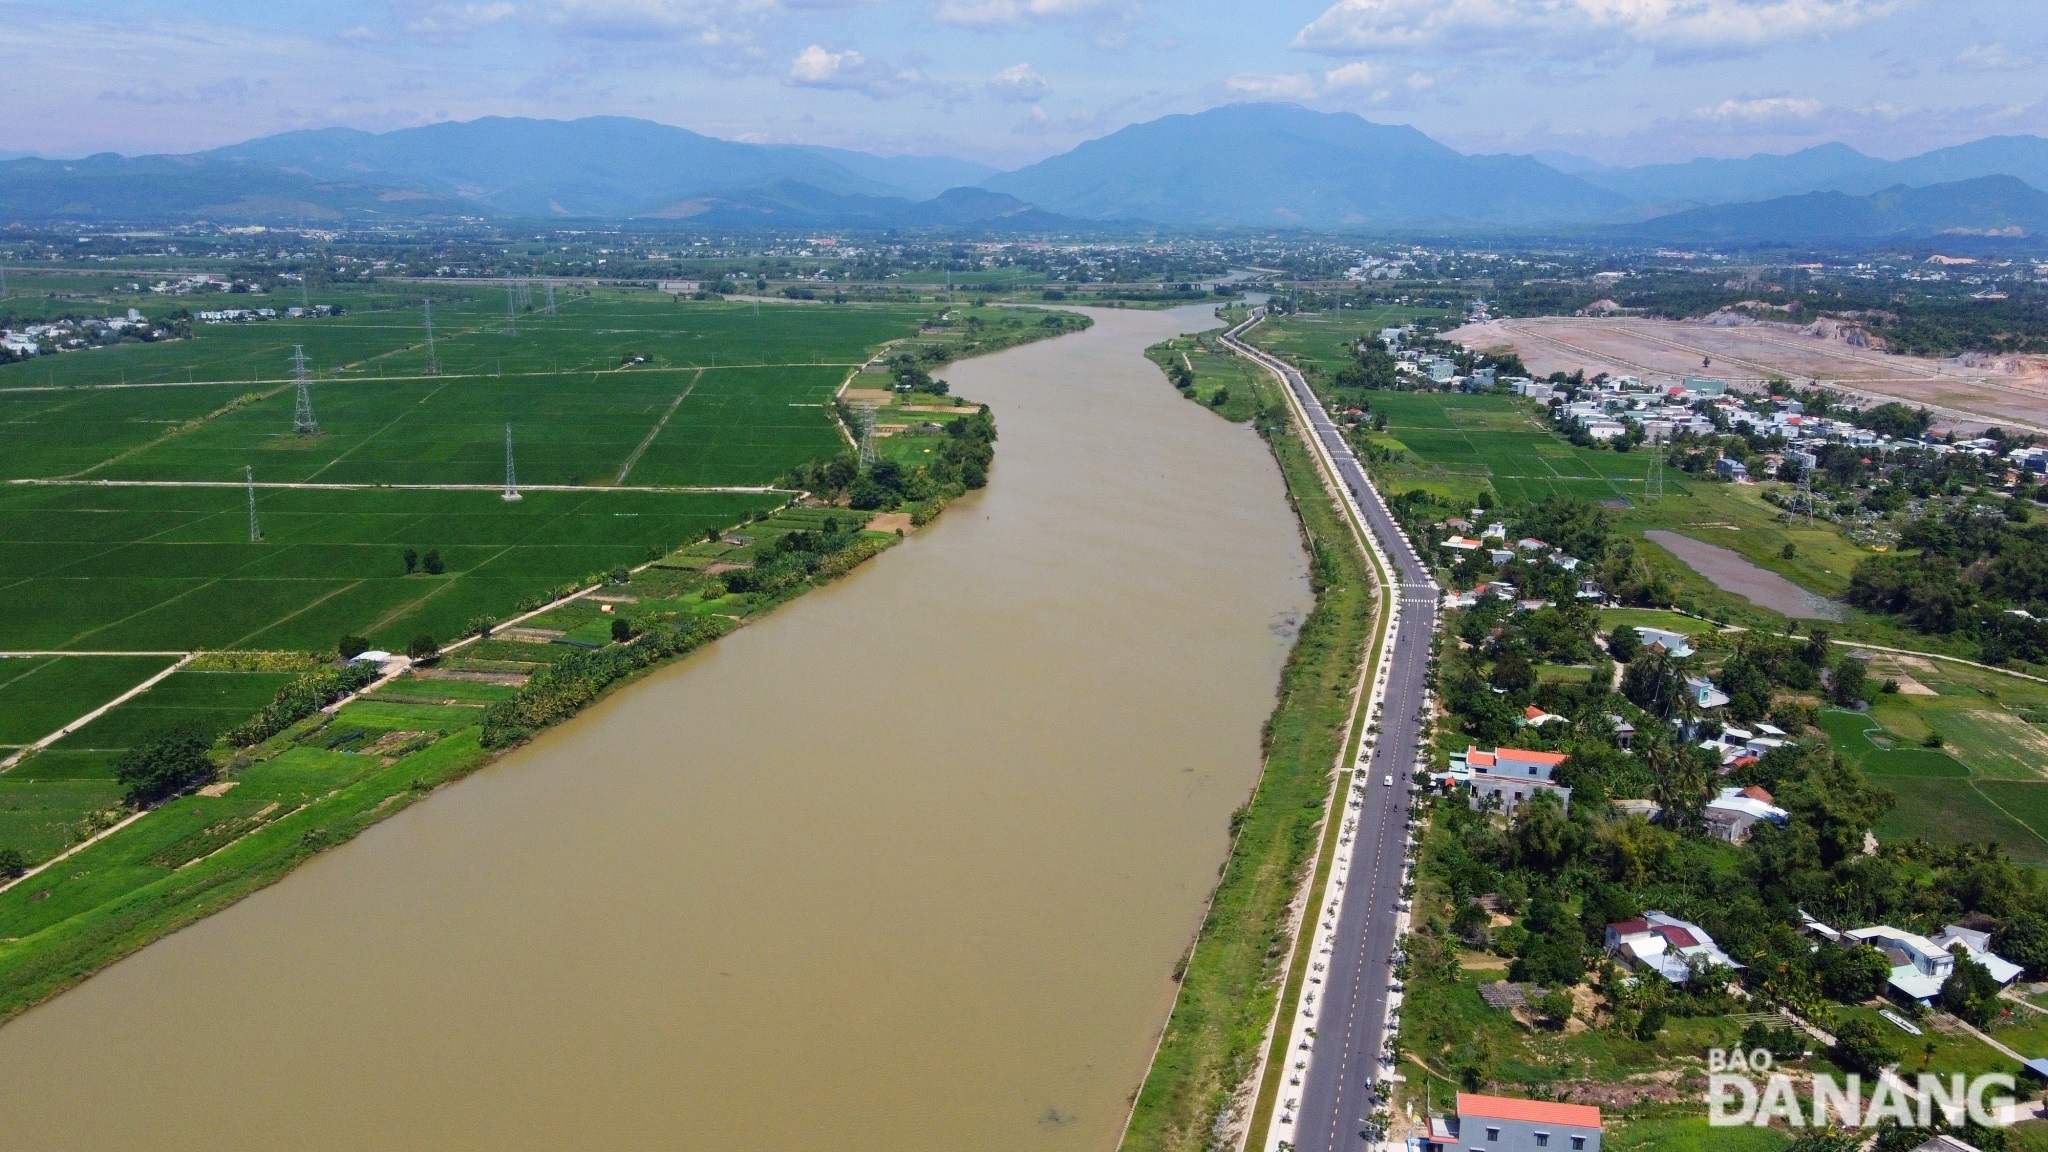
[249, 478]
[864, 416]
[433, 369]
[511, 479]
[511, 311]
[302, 415]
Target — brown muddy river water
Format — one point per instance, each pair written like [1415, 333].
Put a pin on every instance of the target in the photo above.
[905, 866]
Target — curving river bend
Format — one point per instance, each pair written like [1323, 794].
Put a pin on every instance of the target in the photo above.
[905, 866]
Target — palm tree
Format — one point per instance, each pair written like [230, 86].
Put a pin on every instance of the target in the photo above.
[1676, 782]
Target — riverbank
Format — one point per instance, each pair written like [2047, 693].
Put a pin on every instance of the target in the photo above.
[1203, 1080]
[905, 866]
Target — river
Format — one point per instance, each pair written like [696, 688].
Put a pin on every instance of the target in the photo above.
[905, 866]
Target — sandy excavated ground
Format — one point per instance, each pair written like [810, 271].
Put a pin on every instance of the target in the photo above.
[1968, 392]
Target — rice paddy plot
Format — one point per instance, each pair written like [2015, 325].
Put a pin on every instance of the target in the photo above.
[173, 569]
[1471, 440]
[212, 702]
[40, 694]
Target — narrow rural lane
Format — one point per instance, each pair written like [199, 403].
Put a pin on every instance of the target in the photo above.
[1351, 1004]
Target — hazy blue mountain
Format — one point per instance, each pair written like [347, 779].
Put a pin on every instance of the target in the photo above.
[1280, 165]
[1759, 177]
[605, 166]
[117, 188]
[1826, 168]
[2023, 156]
[1571, 164]
[915, 177]
[791, 204]
[1985, 206]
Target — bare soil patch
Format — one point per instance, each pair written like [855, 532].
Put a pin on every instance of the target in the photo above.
[868, 395]
[892, 522]
[1729, 572]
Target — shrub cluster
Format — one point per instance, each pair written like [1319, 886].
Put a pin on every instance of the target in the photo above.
[557, 693]
[298, 700]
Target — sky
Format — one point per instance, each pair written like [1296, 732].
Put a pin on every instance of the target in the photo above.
[1008, 82]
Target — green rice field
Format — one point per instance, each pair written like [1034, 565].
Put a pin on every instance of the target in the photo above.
[40, 694]
[620, 391]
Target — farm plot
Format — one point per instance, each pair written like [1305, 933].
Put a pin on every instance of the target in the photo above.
[213, 702]
[39, 695]
[1460, 443]
[161, 569]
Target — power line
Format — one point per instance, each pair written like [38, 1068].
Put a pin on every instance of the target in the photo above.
[864, 417]
[511, 311]
[551, 298]
[511, 479]
[302, 415]
[432, 368]
[249, 478]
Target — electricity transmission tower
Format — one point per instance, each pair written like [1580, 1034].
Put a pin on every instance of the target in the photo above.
[511, 311]
[433, 369]
[249, 478]
[1653, 484]
[525, 294]
[864, 420]
[1805, 492]
[302, 415]
[511, 479]
[551, 298]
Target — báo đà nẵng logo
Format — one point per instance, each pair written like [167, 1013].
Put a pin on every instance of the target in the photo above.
[1743, 1090]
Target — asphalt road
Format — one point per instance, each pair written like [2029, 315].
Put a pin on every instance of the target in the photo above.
[1351, 983]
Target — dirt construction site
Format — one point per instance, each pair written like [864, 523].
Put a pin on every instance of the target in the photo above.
[1967, 393]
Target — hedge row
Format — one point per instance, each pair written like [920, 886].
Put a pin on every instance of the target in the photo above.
[298, 700]
[557, 693]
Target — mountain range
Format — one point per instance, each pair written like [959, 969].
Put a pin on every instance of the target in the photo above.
[1243, 165]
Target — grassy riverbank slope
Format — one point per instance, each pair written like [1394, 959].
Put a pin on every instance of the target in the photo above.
[1200, 1079]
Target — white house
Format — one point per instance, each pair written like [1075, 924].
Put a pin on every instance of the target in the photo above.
[1676, 643]
[1666, 945]
[1730, 815]
[1919, 966]
[1978, 945]
[1504, 1124]
[1511, 776]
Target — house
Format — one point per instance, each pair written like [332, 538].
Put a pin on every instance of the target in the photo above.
[1704, 693]
[1730, 469]
[1978, 945]
[1530, 544]
[1502, 555]
[1705, 386]
[1462, 544]
[1666, 945]
[1624, 732]
[1458, 524]
[1605, 429]
[1674, 643]
[1512, 775]
[1919, 966]
[1589, 590]
[1730, 815]
[1495, 531]
[1647, 809]
[1534, 717]
[1531, 605]
[1568, 563]
[1504, 1124]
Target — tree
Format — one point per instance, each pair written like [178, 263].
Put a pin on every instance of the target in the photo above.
[1555, 1006]
[1624, 644]
[12, 863]
[1512, 673]
[170, 763]
[1970, 992]
[350, 647]
[412, 561]
[622, 630]
[432, 562]
[423, 649]
[1852, 975]
[2024, 941]
[1860, 1047]
[1651, 1023]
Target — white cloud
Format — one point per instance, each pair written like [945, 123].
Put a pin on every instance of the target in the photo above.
[712, 23]
[998, 13]
[1284, 86]
[849, 71]
[1577, 27]
[1761, 109]
[1019, 84]
[454, 22]
[1357, 74]
[1990, 58]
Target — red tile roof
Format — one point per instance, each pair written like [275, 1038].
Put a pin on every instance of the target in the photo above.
[1532, 712]
[1629, 927]
[1755, 793]
[1524, 757]
[1678, 937]
[1529, 1111]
